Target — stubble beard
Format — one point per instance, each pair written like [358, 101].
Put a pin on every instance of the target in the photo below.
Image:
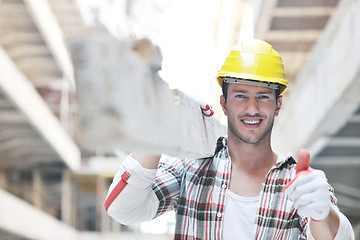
[249, 140]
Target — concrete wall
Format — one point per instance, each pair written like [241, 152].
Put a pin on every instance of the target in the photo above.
[326, 91]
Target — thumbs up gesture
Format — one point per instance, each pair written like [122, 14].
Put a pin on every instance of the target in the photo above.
[309, 190]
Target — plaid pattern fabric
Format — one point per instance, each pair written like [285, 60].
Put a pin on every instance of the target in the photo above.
[196, 189]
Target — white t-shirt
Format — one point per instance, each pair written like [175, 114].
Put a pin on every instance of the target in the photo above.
[239, 217]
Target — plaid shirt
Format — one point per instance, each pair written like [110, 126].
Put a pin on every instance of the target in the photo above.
[196, 189]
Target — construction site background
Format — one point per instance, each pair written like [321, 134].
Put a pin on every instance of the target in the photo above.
[83, 83]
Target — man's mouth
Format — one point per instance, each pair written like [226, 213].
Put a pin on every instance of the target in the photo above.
[252, 123]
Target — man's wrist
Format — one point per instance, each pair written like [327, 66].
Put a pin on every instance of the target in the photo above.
[327, 227]
[148, 161]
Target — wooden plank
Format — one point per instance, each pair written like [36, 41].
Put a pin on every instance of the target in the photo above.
[124, 104]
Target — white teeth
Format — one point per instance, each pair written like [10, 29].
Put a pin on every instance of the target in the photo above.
[252, 122]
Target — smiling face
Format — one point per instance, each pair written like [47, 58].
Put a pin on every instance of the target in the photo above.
[251, 112]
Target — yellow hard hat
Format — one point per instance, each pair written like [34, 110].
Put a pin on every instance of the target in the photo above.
[255, 62]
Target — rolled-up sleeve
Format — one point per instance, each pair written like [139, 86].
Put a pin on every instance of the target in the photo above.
[345, 230]
[130, 198]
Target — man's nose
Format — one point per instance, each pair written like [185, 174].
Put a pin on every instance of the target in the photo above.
[252, 107]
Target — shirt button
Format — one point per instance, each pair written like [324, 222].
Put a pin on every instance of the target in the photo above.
[223, 186]
[219, 215]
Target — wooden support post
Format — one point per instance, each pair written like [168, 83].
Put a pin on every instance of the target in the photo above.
[66, 198]
[37, 189]
[3, 180]
[124, 104]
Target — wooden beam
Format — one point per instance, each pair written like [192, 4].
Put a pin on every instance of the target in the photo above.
[124, 104]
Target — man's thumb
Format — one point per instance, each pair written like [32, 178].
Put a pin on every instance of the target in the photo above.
[303, 161]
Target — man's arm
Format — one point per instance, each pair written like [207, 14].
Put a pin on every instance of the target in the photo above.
[141, 190]
[147, 161]
[327, 228]
[130, 198]
[310, 193]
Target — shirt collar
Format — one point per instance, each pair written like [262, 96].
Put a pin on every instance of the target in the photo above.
[284, 159]
[281, 160]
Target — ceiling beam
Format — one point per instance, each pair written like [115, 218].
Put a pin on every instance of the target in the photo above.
[338, 161]
[346, 190]
[6, 134]
[344, 142]
[302, 11]
[13, 7]
[292, 35]
[5, 105]
[13, 39]
[28, 50]
[355, 118]
[349, 202]
[23, 152]
[12, 116]
[49, 27]
[263, 22]
[19, 143]
[25, 97]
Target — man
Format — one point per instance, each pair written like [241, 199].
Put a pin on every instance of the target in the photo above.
[239, 193]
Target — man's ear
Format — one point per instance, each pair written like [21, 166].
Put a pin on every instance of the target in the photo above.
[223, 104]
[278, 105]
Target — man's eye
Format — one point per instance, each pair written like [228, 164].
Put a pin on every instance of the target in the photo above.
[240, 96]
[263, 97]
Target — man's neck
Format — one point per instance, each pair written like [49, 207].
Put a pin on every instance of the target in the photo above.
[251, 157]
[249, 165]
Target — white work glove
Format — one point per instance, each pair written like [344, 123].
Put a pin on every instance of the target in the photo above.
[309, 190]
[206, 109]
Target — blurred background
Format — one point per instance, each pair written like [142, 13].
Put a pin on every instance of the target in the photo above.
[52, 188]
